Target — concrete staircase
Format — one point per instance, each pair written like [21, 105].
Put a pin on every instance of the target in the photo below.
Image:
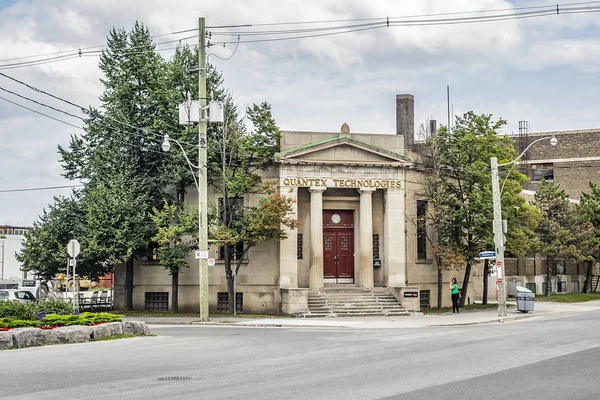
[352, 302]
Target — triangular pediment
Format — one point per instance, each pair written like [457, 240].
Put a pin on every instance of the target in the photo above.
[344, 150]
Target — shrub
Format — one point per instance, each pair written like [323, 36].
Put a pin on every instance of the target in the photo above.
[86, 318]
[28, 311]
[54, 307]
[20, 311]
[7, 323]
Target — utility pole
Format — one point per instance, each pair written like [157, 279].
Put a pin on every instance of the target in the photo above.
[498, 237]
[202, 178]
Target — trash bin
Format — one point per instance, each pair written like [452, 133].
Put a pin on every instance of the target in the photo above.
[525, 298]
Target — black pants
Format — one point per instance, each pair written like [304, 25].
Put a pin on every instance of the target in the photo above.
[455, 302]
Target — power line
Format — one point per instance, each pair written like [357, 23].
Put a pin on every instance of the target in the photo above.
[41, 113]
[95, 47]
[41, 104]
[87, 112]
[39, 188]
[430, 22]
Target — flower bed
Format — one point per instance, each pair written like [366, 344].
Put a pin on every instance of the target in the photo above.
[52, 321]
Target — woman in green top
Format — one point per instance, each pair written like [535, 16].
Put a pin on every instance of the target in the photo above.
[455, 294]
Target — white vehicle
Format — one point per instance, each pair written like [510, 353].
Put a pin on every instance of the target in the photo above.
[37, 288]
[17, 296]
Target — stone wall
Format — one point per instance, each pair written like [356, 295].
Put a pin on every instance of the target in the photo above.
[576, 159]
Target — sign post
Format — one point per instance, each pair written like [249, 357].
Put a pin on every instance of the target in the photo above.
[73, 249]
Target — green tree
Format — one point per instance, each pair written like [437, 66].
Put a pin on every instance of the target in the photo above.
[135, 102]
[176, 236]
[465, 183]
[562, 231]
[236, 157]
[589, 210]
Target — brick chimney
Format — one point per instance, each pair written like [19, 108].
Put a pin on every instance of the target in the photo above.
[405, 118]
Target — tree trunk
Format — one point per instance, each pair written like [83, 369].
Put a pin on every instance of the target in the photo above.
[588, 277]
[129, 284]
[439, 283]
[549, 263]
[465, 285]
[231, 293]
[175, 292]
[486, 273]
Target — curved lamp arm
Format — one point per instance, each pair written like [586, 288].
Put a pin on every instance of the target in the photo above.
[166, 146]
[553, 142]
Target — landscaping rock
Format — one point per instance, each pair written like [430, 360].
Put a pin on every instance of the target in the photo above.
[135, 328]
[6, 341]
[27, 337]
[107, 330]
[70, 334]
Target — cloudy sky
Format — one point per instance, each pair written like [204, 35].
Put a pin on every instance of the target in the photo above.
[543, 70]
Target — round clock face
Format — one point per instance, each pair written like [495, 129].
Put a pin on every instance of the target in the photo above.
[335, 218]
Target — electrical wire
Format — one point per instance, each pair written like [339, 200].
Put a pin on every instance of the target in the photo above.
[545, 10]
[85, 111]
[94, 47]
[41, 104]
[553, 6]
[39, 188]
[227, 58]
[41, 113]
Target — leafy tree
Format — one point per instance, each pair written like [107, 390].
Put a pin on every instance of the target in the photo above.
[464, 189]
[44, 252]
[437, 213]
[236, 157]
[561, 232]
[136, 100]
[589, 210]
[176, 236]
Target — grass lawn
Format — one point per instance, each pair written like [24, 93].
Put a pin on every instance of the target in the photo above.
[466, 308]
[569, 297]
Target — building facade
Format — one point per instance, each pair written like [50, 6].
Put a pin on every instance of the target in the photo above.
[356, 197]
[572, 164]
[11, 241]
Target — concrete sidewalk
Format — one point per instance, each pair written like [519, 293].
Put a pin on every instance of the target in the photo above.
[542, 309]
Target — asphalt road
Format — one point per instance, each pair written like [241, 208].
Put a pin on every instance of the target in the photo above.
[546, 358]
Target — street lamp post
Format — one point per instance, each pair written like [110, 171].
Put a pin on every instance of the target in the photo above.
[498, 231]
[191, 112]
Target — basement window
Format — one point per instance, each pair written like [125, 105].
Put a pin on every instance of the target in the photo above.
[542, 172]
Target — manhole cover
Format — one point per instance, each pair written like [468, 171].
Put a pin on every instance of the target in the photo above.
[175, 378]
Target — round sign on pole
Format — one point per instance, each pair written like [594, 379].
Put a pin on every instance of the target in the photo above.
[73, 248]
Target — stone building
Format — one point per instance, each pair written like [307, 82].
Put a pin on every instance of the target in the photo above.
[355, 197]
[572, 163]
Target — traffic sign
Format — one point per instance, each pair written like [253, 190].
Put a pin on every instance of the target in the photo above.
[73, 248]
[487, 255]
[211, 262]
[201, 254]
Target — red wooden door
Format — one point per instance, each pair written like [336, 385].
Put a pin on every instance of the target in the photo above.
[338, 255]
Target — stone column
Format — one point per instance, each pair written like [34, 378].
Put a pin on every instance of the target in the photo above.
[288, 248]
[365, 252]
[315, 278]
[394, 238]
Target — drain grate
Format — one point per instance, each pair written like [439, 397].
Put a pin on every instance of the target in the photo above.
[175, 378]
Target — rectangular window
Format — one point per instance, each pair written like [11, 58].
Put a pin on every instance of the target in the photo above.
[236, 204]
[375, 246]
[575, 288]
[530, 286]
[421, 229]
[562, 286]
[424, 299]
[156, 301]
[542, 172]
[300, 246]
[223, 302]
